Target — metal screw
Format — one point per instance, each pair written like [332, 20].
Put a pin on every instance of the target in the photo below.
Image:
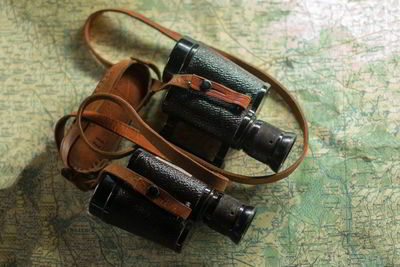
[205, 85]
[152, 191]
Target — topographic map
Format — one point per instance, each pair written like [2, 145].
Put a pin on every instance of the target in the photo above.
[341, 60]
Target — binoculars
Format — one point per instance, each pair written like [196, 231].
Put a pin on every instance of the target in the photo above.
[234, 126]
[117, 203]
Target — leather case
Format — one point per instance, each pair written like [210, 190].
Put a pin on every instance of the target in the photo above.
[131, 81]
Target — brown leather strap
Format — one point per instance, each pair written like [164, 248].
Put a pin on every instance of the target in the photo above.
[195, 82]
[279, 88]
[89, 22]
[152, 141]
[144, 135]
[142, 185]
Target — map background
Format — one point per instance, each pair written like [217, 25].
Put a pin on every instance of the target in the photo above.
[339, 58]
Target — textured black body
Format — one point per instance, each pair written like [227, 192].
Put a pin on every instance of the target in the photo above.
[213, 116]
[209, 64]
[178, 183]
[117, 204]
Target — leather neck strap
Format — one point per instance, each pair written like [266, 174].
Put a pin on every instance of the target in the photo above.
[89, 22]
[145, 136]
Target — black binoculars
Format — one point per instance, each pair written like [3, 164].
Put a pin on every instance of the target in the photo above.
[117, 203]
[234, 126]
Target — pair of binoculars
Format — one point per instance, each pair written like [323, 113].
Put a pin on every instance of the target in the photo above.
[117, 203]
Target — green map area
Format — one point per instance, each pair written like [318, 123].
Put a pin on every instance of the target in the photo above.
[340, 59]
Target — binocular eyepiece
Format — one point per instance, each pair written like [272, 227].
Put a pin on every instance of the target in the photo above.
[264, 141]
[116, 203]
[238, 128]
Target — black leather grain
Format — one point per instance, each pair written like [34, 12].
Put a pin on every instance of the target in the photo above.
[207, 63]
[208, 114]
[179, 184]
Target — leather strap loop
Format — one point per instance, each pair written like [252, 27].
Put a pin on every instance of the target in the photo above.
[89, 22]
[278, 87]
[168, 150]
[192, 81]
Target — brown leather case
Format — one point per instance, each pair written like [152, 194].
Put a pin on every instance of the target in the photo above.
[131, 81]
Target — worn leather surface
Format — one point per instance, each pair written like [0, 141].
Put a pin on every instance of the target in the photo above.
[129, 80]
[133, 87]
